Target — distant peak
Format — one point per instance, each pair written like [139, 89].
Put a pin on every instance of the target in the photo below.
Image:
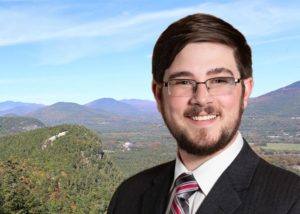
[65, 103]
[136, 101]
[294, 85]
[102, 100]
[107, 98]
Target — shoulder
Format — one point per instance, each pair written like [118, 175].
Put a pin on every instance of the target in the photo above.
[268, 179]
[277, 179]
[129, 194]
[141, 179]
[274, 189]
[260, 172]
[263, 186]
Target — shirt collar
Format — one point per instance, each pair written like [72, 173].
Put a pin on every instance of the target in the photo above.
[208, 173]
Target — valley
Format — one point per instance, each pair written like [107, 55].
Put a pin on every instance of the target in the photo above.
[76, 167]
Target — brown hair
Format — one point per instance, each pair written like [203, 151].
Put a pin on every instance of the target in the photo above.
[199, 28]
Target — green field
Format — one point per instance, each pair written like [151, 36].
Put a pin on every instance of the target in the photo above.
[283, 147]
[284, 155]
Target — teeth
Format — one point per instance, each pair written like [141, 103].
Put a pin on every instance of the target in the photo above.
[203, 118]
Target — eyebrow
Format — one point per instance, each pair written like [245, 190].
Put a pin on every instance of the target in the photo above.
[213, 71]
[181, 74]
[220, 71]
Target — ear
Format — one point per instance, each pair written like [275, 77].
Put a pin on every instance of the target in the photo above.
[248, 89]
[157, 92]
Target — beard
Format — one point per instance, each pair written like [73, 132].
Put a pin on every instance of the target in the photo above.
[202, 144]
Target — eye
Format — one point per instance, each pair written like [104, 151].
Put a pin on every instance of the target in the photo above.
[182, 82]
[220, 80]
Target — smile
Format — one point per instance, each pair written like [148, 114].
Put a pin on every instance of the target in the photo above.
[204, 118]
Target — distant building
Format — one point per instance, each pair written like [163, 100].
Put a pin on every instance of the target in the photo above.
[127, 146]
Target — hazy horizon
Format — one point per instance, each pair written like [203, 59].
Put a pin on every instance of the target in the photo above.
[152, 100]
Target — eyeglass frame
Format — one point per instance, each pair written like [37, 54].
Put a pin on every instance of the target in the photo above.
[196, 83]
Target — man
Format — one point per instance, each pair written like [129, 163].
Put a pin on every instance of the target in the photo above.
[202, 80]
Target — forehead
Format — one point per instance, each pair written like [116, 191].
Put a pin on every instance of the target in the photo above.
[200, 59]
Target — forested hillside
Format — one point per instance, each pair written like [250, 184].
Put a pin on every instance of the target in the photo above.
[55, 170]
[15, 124]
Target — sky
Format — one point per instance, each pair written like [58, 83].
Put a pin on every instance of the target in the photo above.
[79, 50]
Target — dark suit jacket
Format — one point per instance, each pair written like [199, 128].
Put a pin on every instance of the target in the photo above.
[248, 185]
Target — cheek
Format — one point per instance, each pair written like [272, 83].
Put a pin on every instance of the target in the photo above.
[175, 106]
[178, 104]
[230, 105]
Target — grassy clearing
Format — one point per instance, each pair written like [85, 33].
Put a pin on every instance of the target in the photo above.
[283, 147]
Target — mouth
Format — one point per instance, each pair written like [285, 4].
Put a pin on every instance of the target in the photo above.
[204, 118]
[201, 114]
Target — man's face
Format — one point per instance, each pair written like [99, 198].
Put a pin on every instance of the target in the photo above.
[203, 124]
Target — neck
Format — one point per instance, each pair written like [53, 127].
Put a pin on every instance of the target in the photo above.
[192, 161]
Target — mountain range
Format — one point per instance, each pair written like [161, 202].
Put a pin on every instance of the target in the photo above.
[18, 108]
[101, 106]
[271, 113]
[284, 101]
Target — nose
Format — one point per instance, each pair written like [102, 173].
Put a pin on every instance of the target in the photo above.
[201, 96]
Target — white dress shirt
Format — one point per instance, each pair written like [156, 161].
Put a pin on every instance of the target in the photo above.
[207, 174]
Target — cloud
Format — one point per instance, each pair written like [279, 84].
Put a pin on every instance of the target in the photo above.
[26, 26]
[63, 36]
[257, 18]
[277, 39]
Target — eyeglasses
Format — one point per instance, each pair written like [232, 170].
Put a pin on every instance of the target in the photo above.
[217, 86]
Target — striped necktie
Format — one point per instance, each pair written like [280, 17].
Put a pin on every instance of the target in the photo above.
[185, 186]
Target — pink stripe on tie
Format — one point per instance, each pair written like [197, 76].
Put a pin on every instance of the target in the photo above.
[189, 187]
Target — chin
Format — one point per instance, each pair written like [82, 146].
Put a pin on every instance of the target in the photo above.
[203, 145]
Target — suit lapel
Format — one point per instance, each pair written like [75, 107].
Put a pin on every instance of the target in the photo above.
[224, 196]
[156, 197]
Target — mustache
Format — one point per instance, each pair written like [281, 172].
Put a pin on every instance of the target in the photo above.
[196, 110]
